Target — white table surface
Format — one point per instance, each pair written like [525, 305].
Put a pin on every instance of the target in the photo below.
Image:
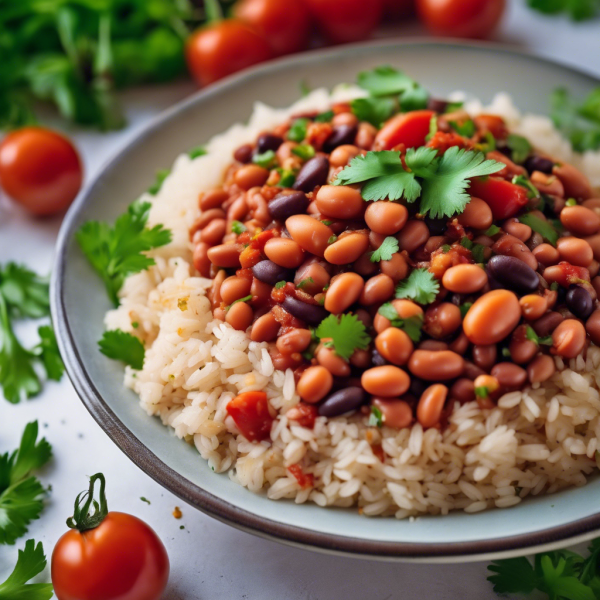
[210, 560]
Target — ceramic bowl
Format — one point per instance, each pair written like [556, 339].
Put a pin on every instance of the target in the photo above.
[79, 303]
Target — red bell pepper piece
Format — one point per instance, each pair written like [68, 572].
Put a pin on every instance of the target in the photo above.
[250, 411]
[505, 199]
[409, 129]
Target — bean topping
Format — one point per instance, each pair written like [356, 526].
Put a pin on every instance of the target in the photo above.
[269, 272]
[285, 205]
[513, 274]
[313, 173]
[492, 317]
[312, 314]
[342, 134]
[342, 402]
[579, 301]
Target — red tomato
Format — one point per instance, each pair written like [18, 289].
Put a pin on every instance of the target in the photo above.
[570, 274]
[223, 48]
[492, 123]
[504, 198]
[399, 9]
[285, 24]
[121, 558]
[461, 18]
[409, 129]
[250, 411]
[346, 20]
[40, 169]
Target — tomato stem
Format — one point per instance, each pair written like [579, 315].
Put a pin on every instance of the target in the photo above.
[82, 518]
[213, 10]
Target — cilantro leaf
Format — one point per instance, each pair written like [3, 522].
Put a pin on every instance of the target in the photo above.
[520, 147]
[420, 286]
[21, 495]
[445, 194]
[544, 228]
[298, 129]
[414, 98]
[161, 175]
[578, 10]
[513, 576]
[324, 117]
[384, 252]
[466, 129]
[48, 352]
[197, 151]
[123, 346]
[376, 417]
[25, 292]
[117, 251]
[411, 326]
[385, 81]
[373, 110]
[347, 334]
[31, 561]
[580, 124]
[423, 161]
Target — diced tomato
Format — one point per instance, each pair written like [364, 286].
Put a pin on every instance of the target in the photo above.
[317, 134]
[258, 242]
[305, 414]
[305, 480]
[249, 257]
[441, 141]
[244, 238]
[505, 199]
[565, 274]
[409, 129]
[244, 273]
[492, 123]
[250, 411]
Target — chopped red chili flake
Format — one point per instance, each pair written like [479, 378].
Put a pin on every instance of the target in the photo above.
[305, 480]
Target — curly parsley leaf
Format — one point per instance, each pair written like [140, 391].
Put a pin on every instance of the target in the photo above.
[373, 110]
[420, 286]
[31, 561]
[411, 326]
[123, 346]
[25, 292]
[347, 334]
[520, 148]
[118, 251]
[386, 250]
[21, 494]
[445, 194]
[544, 228]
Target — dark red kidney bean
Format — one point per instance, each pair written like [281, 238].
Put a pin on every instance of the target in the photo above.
[342, 134]
[313, 173]
[436, 105]
[243, 154]
[513, 274]
[377, 359]
[472, 371]
[436, 226]
[463, 390]
[268, 272]
[484, 356]
[579, 301]
[510, 376]
[545, 325]
[343, 401]
[288, 205]
[312, 314]
[268, 141]
[538, 163]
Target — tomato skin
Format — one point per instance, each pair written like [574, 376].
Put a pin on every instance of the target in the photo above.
[398, 9]
[492, 123]
[461, 18]
[223, 48]
[40, 169]
[284, 24]
[504, 198]
[409, 129]
[345, 21]
[250, 411]
[121, 559]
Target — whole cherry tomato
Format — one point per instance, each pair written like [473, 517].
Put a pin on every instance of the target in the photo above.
[398, 9]
[285, 24]
[223, 48]
[108, 555]
[461, 18]
[346, 20]
[40, 169]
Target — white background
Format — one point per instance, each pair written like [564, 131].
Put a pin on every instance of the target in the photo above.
[209, 560]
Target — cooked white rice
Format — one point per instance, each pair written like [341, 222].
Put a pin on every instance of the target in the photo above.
[536, 441]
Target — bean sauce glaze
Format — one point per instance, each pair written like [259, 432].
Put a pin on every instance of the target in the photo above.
[514, 275]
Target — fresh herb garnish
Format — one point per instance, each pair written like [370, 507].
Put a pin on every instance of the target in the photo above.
[298, 129]
[492, 231]
[433, 128]
[280, 284]
[544, 228]
[376, 417]
[578, 10]
[530, 334]
[197, 151]
[332, 239]
[324, 117]
[237, 227]
[420, 286]
[21, 494]
[347, 334]
[374, 110]
[244, 299]
[161, 175]
[482, 391]
[265, 160]
[118, 251]
[579, 123]
[411, 326]
[571, 202]
[464, 308]
[466, 129]
[387, 81]
[304, 151]
[532, 191]
[123, 346]
[520, 148]
[31, 561]
[304, 282]
[388, 247]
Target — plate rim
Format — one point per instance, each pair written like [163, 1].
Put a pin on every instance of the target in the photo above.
[196, 496]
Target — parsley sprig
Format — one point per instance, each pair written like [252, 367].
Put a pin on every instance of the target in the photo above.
[123, 346]
[31, 561]
[420, 286]
[21, 494]
[118, 251]
[346, 334]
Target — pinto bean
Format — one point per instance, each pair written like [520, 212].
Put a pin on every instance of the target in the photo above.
[200, 259]
[510, 376]
[592, 326]
[347, 249]
[431, 404]
[412, 235]
[461, 344]
[533, 306]
[225, 255]
[284, 252]
[396, 267]
[387, 381]
[548, 184]
[343, 154]
[575, 183]
[509, 245]
[517, 229]
[545, 325]
[568, 339]
[540, 369]
[394, 345]
[386, 218]
[364, 266]
[335, 364]
[572, 250]
[265, 328]
[546, 254]
[296, 340]
[261, 292]
[312, 235]
[442, 320]
[314, 384]
[477, 214]
[340, 201]
[365, 137]
[315, 270]
[492, 317]
[234, 288]
[239, 316]
[580, 221]
[395, 413]
[361, 358]
[213, 233]
[464, 279]
[212, 199]
[250, 176]
[406, 308]
[345, 290]
[472, 371]
[377, 289]
[432, 365]
[522, 350]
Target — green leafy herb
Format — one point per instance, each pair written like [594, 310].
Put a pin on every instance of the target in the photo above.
[492, 231]
[118, 251]
[123, 346]
[420, 286]
[464, 308]
[265, 160]
[489, 145]
[579, 123]
[454, 106]
[287, 178]
[280, 284]
[520, 147]
[414, 98]
[304, 151]
[304, 282]
[544, 228]
[143, 499]
[530, 334]
[332, 239]
[376, 417]
[446, 248]
[21, 494]
[160, 178]
[506, 353]
[466, 129]
[578, 10]
[482, 392]
[48, 353]
[25, 292]
[374, 110]
[298, 129]
[244, 299]
[387, 81]
[388, 247]
[411, 326]
[237, 227]
[478, 253]
[324, 117]
[31, 561]
[532, 191]
[347, 334]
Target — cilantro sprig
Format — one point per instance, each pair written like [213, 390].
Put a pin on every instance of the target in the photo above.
[118, 251]
[387, 249]
[21, 494]
[420, 286]
[123, 346]
[346, 334]
[578, 122]
[385, 81]
[519, 146]
[411, 326]
[31, 561]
